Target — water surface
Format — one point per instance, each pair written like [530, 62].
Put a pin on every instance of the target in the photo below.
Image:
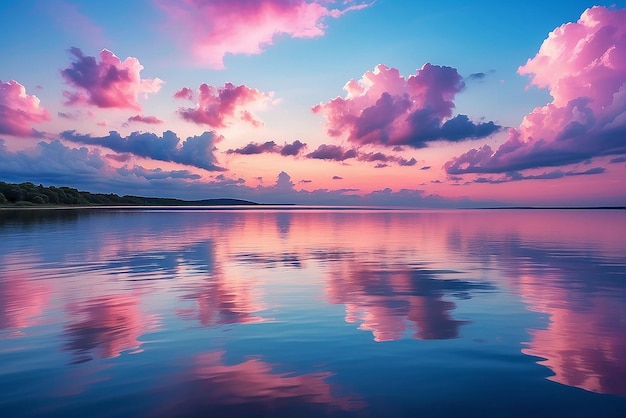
[278, 312]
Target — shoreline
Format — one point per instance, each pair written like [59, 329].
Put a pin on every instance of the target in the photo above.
[287, 206]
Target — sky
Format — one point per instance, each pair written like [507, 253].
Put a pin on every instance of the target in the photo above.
[319, 102]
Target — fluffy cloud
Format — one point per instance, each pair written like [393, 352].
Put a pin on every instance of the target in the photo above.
[110, 83]
[332, 152]
[151, 120]
[384, 158]
[216, 106]
[196, 151]
[53, 163]
[339, 153]
[184, 93]
[56, 164]
[18, 110]
[269, 147]
[583, 65]
[213, 28]
[387, 109]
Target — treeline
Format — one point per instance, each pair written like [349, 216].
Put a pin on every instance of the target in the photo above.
[27, 194]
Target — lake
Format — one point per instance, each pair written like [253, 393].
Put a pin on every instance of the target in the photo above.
[296, 312]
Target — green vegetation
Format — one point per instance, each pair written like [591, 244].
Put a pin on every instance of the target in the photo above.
[27, 194]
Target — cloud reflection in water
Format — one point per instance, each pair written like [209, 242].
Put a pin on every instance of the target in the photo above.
[388, 302]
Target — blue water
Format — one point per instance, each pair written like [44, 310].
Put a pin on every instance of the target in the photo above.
[312, 313]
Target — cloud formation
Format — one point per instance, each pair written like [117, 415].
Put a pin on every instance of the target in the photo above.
[184, 93]
[151, 120]
[217, 106]
[210, 29]
[110, 83]
[53, 163]
[196, 151]
[339, 153]
[252, 148]
[549, 175]
[384, 158]
[18, 110]
[333, 153]
[583, 65]
[384, 108]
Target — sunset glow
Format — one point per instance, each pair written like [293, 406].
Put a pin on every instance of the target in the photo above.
[200, 99]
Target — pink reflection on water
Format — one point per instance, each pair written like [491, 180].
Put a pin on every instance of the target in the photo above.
[222, 299]
[22, 301]
[585, 342]
[106, 326]
[251, 387]
[391, 302]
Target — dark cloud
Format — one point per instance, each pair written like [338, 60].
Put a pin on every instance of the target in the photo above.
[53, 163]
[550, 175]
[255, 148]
[292, 149]
[477, 76]
[332, 152]
[339, 153]
[196, 151]
[252, 148]
[384, 158]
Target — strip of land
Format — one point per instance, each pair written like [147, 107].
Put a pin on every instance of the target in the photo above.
[28, 194]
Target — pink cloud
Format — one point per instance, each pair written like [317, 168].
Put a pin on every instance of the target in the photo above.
[151, 120]
[390, 302]
[22, 301]
[106, 326]
[218, 387]
[110, 83]
[18, 110]
[217, 106]
[184, 93]
[213, 28]
[583, 65]
[385, 108]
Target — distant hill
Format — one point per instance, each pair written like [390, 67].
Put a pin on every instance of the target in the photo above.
[27, 194]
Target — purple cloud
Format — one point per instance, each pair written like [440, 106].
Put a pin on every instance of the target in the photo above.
[196, 151]
[386, 109]
[252, 148]
[110, 83]
[585, 75]
[18, 110]
[218, 106]
[151, 120]
[332, 152]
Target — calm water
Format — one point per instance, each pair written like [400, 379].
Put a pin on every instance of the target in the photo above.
[314, 313]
